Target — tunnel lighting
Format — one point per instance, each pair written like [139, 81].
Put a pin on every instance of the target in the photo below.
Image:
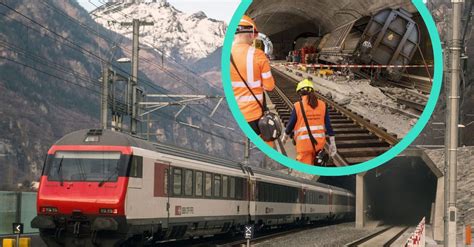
[124, 60]
[459, 125]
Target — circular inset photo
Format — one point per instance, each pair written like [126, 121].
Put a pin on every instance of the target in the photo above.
[332, 89]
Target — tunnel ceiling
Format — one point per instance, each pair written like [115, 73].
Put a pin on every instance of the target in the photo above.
[276, 16]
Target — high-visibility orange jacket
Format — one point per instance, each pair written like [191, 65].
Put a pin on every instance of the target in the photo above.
[316, 121]
[254, 67]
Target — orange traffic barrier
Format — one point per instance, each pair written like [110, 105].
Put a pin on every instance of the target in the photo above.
[11, 242]
[468, 235]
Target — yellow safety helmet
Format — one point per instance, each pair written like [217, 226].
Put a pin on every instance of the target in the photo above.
[304, 84]
[247, 25]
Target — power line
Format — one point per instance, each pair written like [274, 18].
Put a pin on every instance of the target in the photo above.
[171, 118]
[89, 53]
[162, 53]
[48, 63]
[169, 73]
[47, 73]
[81, 50]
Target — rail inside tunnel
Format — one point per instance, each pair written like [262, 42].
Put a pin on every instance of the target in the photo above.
[401, 192]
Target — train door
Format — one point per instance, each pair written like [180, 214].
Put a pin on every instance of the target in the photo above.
[135, 189]
[252, 197]
[162, 190]
[303, 206]
[135, 180]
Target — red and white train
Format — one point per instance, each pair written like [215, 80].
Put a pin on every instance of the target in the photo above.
[104, 188]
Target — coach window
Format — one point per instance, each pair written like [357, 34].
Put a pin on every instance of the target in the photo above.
[269, 196]
[321, 199]
[208, 184]
[217, 185]
[239, 188]
[136, 168]
[232, 187]
[225, 186]
[188, 182]
[177, 181]
[198, 183]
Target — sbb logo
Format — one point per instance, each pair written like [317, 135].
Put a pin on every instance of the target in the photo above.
[177, 210]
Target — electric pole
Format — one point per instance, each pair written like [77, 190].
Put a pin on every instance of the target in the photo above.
[452, 125]
[105, 96]
[134, 82]
[247, 151]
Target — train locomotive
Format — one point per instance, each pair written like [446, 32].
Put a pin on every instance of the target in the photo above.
[105, 188]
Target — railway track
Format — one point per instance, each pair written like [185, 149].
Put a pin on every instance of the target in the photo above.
[263, 238]
[410, 90]
[420, 83]
[385, 237]
[238, 240]
[407, 97]
[358, 139]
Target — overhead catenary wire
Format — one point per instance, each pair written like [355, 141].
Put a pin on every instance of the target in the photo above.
[77, 84]
[48, 62]
[166, 71]
[82, 50]
[165, 55]
[98, 92]
[127, 49]
[89, 29]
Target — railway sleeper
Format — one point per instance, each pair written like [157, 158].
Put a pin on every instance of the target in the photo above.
[361, 151]
[361, 143]
[339, 131]
[337, 121]
[357, 160]
[356, 136]
[344, 125]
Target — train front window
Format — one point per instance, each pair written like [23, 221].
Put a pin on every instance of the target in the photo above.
[85, 166]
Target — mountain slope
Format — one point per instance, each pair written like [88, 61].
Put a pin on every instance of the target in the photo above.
[49, 87]
[186, 37]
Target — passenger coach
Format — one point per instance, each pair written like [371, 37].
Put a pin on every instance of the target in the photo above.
[101, 187]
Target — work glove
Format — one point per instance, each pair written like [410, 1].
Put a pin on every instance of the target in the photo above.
[284, 138]
[332, 146]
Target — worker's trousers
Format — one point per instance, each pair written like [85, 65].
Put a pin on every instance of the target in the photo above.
[306, 157]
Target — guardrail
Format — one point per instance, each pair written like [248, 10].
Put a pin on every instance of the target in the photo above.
[417, 239]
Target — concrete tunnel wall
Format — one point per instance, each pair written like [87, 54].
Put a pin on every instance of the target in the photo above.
[284, 20]
[402, 191]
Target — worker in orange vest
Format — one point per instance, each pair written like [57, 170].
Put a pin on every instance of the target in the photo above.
[250, 73]
[318, 122]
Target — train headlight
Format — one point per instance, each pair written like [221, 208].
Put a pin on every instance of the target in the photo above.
[48, 210]
[108, 211]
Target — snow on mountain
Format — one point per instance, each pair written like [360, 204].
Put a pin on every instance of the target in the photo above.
[186, 37]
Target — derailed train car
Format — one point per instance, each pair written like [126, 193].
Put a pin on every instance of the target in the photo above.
[103, 188]
[390, 37]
